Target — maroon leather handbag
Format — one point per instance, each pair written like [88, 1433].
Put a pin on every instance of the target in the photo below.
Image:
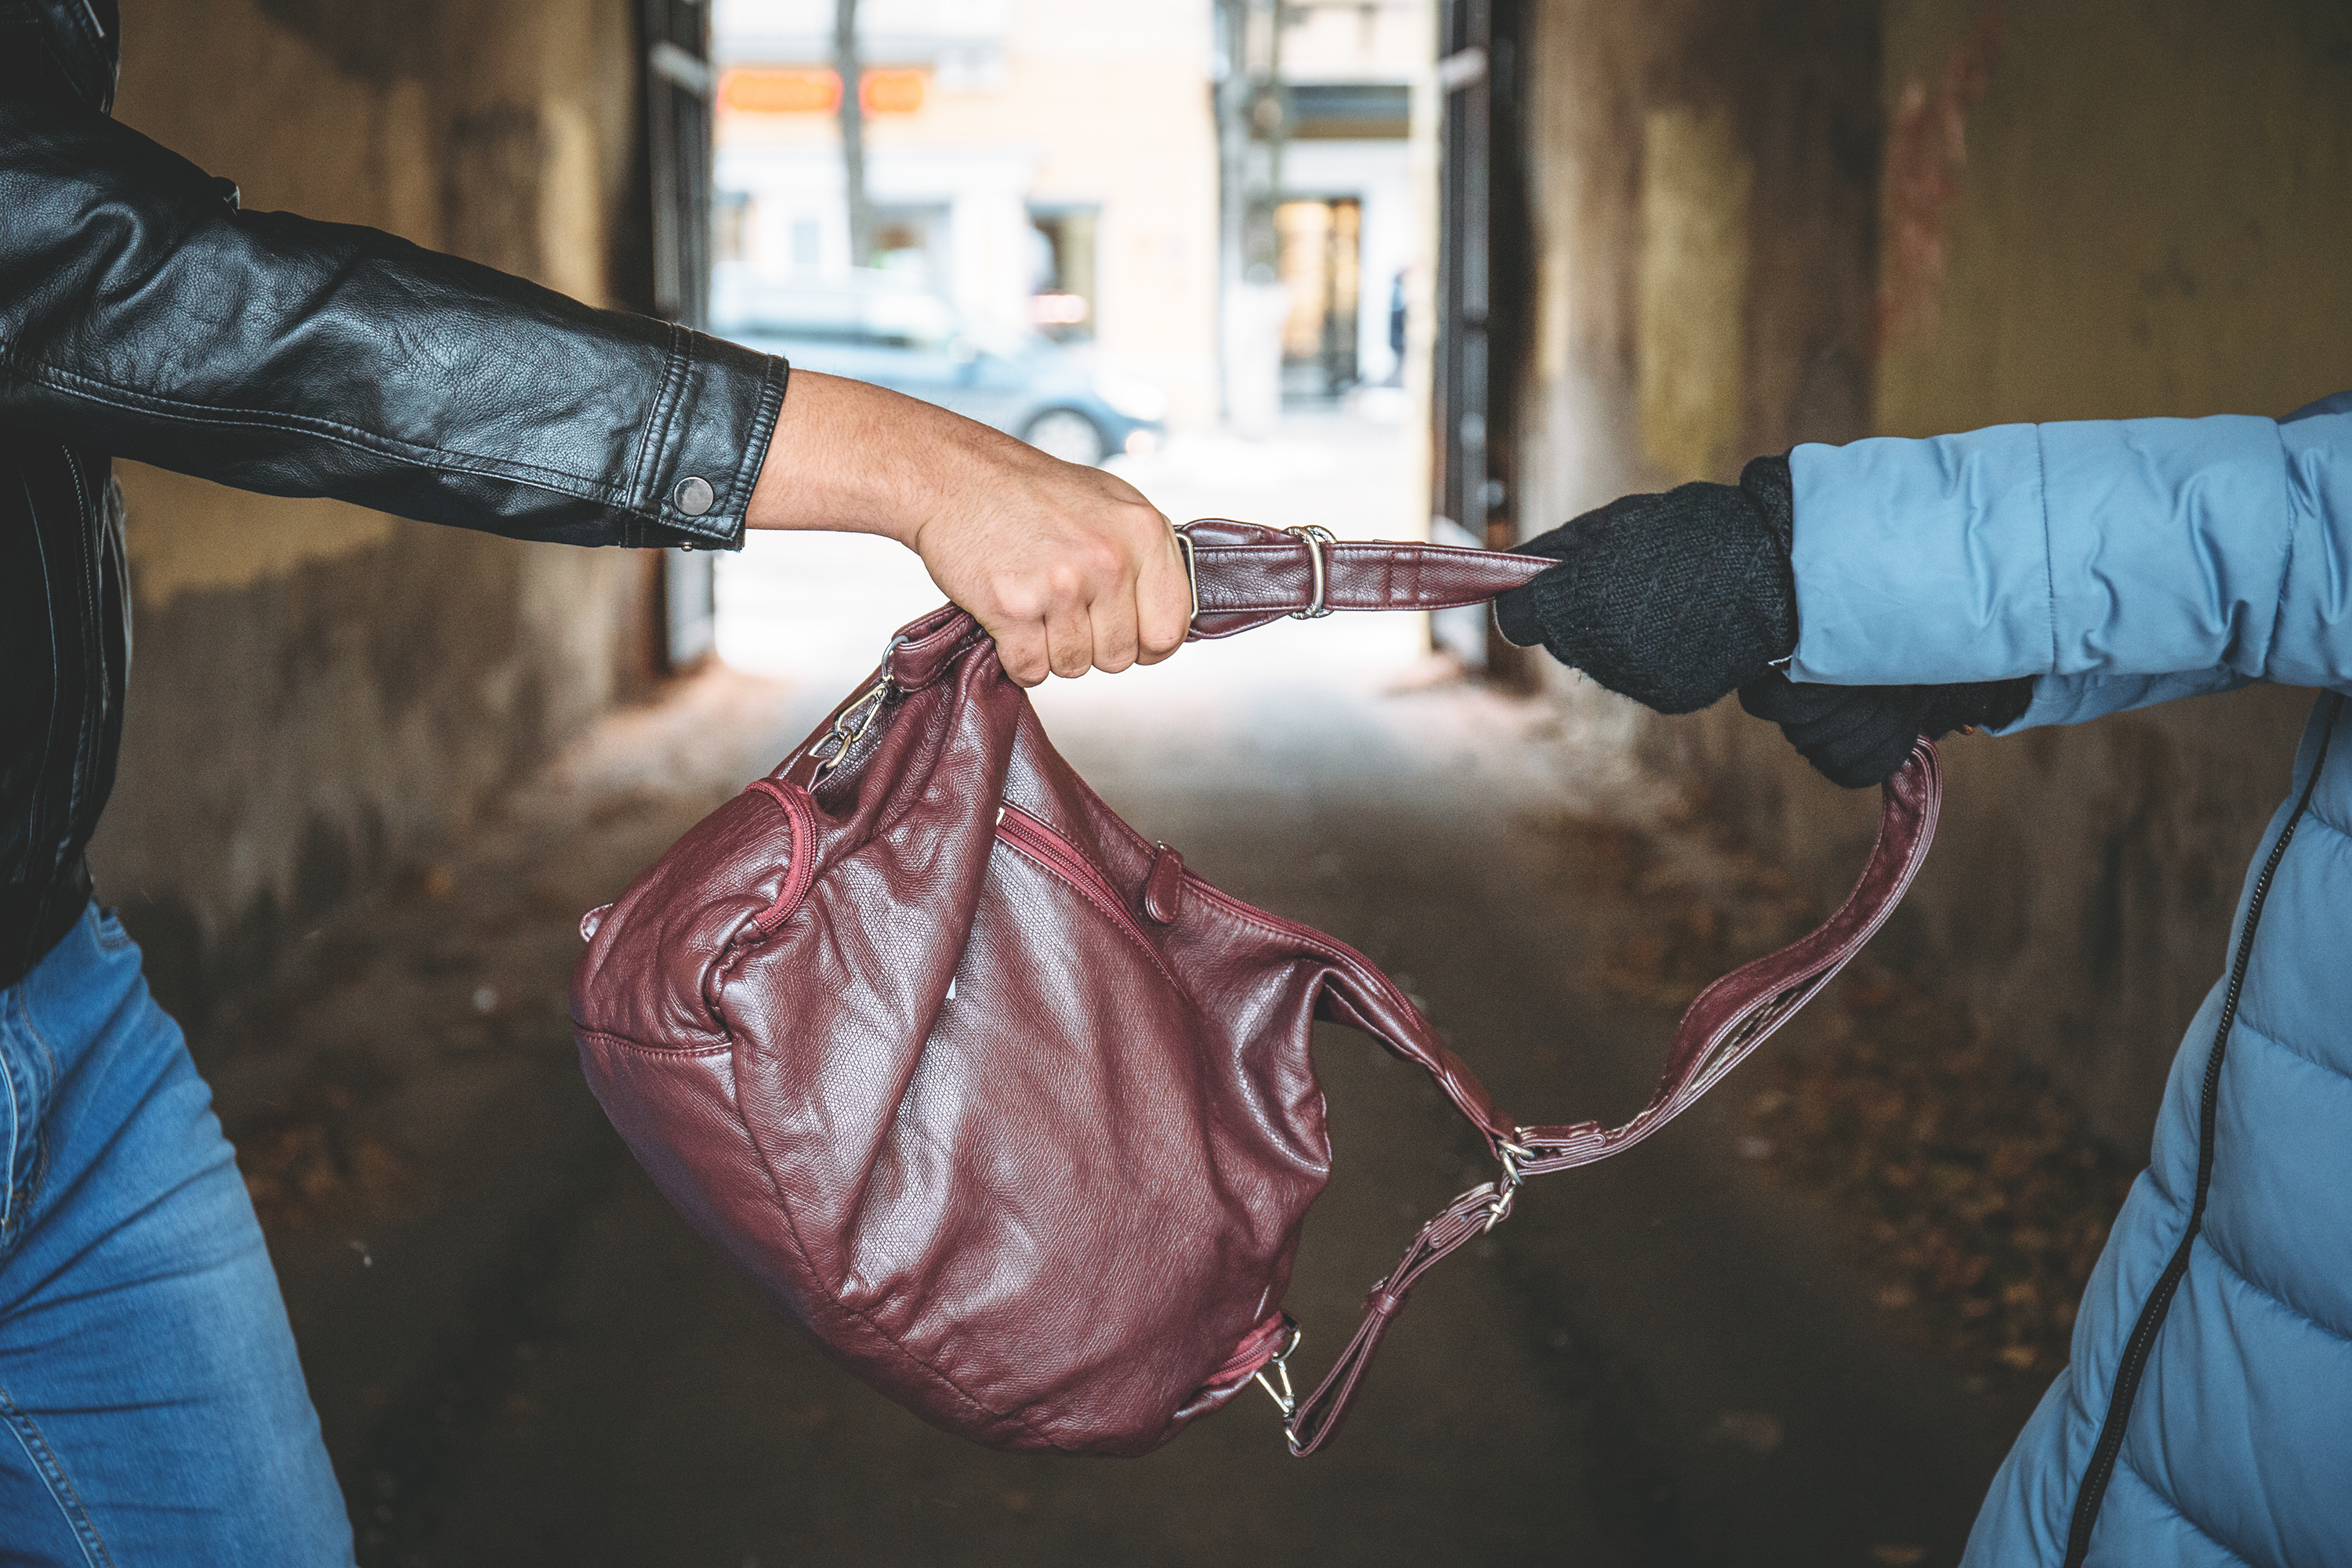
[1007, 1109]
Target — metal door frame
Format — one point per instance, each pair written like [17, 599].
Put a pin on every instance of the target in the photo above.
[677, 93]
[1484, 266]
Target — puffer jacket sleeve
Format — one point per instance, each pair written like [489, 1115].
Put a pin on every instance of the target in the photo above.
[141, 314]
[2125, 562]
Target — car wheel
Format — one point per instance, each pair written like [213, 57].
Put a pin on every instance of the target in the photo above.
[1066, 433]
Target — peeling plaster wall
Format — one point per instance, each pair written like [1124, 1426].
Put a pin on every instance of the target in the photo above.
[320, 693]
[1959, 219]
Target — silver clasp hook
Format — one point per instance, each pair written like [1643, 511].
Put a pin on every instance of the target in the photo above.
[1507, 1185]
[851, 727]
[1285, 1400]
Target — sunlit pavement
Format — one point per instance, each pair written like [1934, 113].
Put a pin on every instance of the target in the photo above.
[522, 1357]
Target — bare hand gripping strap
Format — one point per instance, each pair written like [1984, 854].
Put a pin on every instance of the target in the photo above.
[1729, 1020]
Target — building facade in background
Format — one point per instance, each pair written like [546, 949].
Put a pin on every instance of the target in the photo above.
[1349, 226]
[1054, 166]
[1042, 163]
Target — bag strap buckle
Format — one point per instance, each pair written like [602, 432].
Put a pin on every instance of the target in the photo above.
[1318, 541]
[1185, 547]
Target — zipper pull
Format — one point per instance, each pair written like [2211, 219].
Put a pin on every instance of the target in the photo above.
[1163, 889]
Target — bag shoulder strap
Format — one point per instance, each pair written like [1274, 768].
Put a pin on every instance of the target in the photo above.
[1728, 1020]
[1245, 575]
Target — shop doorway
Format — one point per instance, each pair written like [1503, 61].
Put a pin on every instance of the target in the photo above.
[1061, 274]
[1320, 262]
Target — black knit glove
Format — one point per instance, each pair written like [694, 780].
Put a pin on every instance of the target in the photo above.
[1675, 599]
[1857, 736]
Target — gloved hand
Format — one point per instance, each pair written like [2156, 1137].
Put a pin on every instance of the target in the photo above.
[1857, 736]
[1675, 601]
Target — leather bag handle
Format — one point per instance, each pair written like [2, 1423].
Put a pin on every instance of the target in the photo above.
[1245, 575]
[1726, 1021]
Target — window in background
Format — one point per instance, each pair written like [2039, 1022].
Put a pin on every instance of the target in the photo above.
[1321, 264]
[911, 242]
[731, 220]
[1062, 279]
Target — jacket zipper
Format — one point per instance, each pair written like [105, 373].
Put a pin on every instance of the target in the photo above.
[2137, 1349]
[1041, 844]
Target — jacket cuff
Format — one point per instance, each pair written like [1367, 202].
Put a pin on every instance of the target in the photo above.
[2109, 547]
[701, 452]
[1920, 562]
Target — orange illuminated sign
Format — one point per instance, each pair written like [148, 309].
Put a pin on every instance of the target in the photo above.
[813, 89]
[768, 90]
[891, 92]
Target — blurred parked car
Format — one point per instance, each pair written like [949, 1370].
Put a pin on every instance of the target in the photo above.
[873, 328]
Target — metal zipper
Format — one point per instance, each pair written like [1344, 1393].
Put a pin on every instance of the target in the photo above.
[1041, 844]
[800, 867]
[2137, 1349]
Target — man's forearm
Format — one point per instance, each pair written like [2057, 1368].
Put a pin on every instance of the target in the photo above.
[859, 458]
[141, 314]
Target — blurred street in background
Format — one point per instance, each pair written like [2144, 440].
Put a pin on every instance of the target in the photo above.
[1165, 186]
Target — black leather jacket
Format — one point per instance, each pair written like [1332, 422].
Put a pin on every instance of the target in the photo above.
[143, 315]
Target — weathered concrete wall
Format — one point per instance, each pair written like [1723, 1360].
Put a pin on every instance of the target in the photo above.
[2061, 211]
[320, 693]
[1704, 183]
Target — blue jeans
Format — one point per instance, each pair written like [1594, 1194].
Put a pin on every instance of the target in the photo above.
[152, 1409]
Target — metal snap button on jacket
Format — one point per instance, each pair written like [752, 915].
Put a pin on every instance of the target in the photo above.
[693, 495]
[1012, 1113]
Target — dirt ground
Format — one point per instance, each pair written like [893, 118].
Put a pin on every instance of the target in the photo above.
[522, 1357]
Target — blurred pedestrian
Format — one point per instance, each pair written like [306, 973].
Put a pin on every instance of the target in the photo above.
[1396, 330]
[2029, 575]
[152, 1407]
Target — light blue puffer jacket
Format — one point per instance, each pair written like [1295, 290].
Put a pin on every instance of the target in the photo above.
[2206, 1417]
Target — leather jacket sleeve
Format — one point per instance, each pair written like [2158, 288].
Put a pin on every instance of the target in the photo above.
[143, 315]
